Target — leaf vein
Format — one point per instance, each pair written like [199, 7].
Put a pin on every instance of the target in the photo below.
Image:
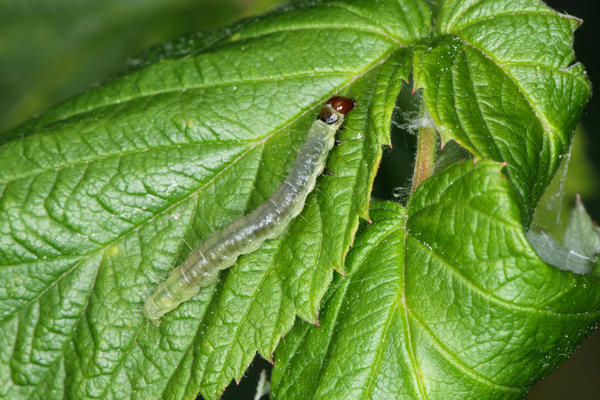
[120, 154]
[492, 17]
[484, 119]
[466, 369]
[177, 203]
[497, 300]
[120, 101]
[548, 127]
[369, 21]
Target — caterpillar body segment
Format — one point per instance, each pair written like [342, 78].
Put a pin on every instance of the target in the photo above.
[269, 220]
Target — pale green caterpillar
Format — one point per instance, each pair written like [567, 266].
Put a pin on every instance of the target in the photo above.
[246, 235]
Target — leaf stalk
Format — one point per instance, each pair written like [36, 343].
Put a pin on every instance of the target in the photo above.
[426, 150]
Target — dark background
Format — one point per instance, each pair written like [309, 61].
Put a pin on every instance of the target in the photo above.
[52, 49]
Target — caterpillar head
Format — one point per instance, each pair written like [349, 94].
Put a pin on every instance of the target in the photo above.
[343, 105]
[335, 109]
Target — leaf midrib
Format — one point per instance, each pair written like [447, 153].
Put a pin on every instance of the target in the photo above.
[418, 377]
[344, 286]
[193, 192]
[185, 198]
[258, 142]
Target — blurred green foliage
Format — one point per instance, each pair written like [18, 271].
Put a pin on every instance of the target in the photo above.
[53, 49]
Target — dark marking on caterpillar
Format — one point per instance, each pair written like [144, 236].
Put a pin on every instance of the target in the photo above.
[268, 221]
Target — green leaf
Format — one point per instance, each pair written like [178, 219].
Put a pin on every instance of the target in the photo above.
[501, 80]
[103, 195]
[443, 300]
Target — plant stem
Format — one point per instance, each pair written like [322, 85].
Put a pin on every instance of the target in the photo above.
[425, 159]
